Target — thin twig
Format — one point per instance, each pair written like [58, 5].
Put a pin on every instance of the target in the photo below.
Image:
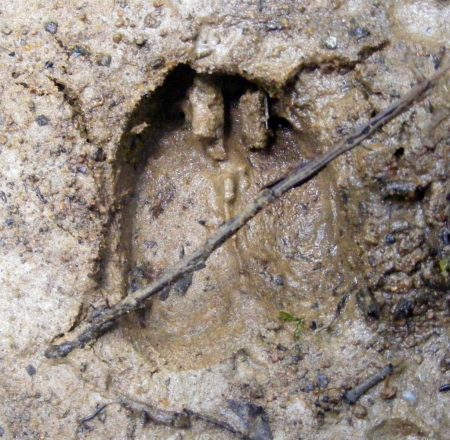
[352, 396]
[177, 419]
[96, 413]
[339, 308]
[105, 321]
[225, 426]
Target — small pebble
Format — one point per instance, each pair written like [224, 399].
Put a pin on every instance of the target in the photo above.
[322, 380]
[104, 60]
[360, 411]
[51, 27]
[120, 22]
[418, 358]
[140, 41]
[359, 33]
[31, 370]
[203, 51]
[390, 239]
[6, 30]
[42, 120]
[279, 280]
[9, 222]
[400, 226]
[444, 388]
[99, 155]
[83, 367]
[404, 309]
[295, 359]
[445, 236]
[150, 244]
[80, 51]
[409, 396]
[274, 26]
[82, 169]
[331, 43]
[117, 38]
[309, 388]
[48, 65]
[151, 21]
[134, 285]
[402, 190]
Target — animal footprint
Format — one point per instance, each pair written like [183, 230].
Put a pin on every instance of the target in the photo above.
[196, 153]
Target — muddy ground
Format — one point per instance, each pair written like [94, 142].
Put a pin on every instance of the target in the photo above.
[130, 130]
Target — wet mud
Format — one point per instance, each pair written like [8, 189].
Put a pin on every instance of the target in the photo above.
[130, 130]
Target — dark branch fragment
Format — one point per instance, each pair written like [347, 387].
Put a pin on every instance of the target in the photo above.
[352, 396]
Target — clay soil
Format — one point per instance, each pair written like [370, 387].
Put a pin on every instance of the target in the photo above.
[130, 130]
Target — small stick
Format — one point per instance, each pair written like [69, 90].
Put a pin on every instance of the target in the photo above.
[339, 308]
[352, 396]
[444, 388]
[175, 419]
[218, 424]
[97, 412]
[105, 321]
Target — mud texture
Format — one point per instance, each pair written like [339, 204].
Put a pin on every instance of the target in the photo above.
[130, 130]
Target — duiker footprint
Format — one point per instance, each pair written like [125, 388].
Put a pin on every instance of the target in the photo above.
[196, 152]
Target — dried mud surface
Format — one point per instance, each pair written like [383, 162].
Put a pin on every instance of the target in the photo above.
[130, 130]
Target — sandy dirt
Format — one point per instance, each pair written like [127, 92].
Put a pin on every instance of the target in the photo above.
[130, 130]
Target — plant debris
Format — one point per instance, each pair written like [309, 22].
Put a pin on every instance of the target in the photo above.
[352, 396]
